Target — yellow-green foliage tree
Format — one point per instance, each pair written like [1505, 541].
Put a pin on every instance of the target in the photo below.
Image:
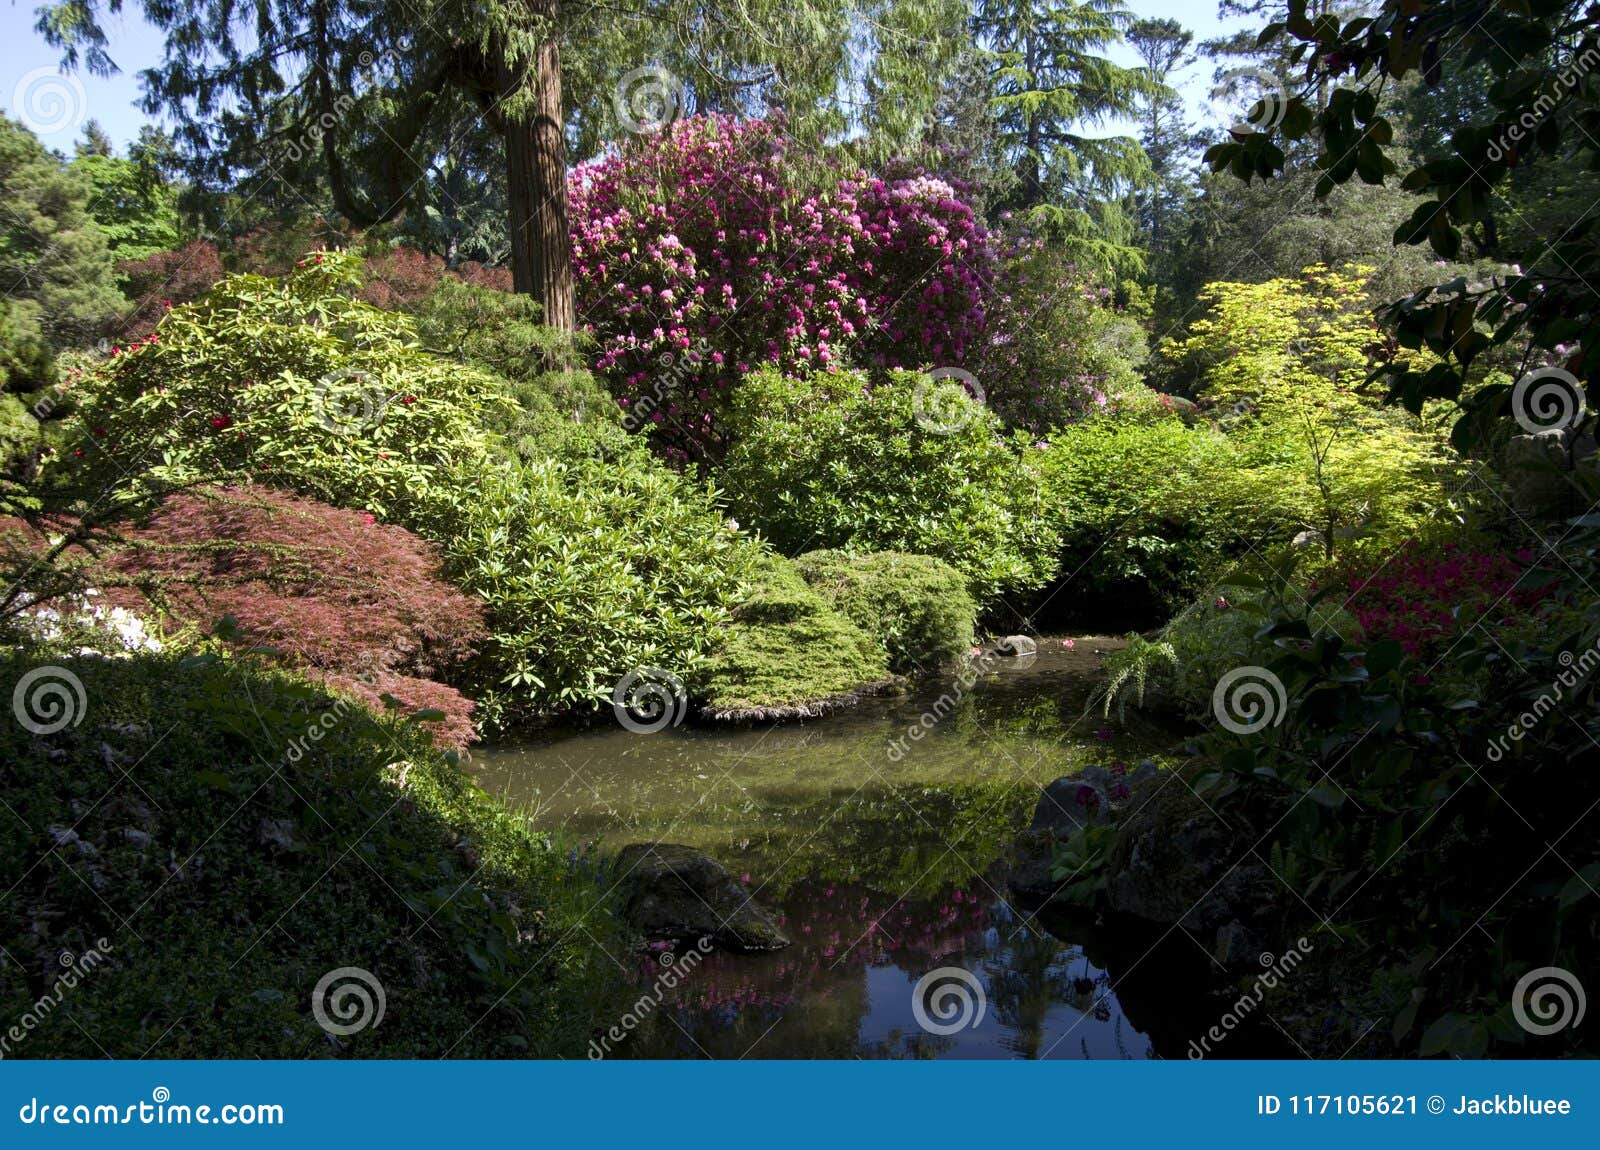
[1281, 365]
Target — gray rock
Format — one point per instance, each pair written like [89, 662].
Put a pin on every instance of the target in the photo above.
[1535, 467]
[1236, 945]
[64, 837]
[1016, 645]
[1031, 861]
[1173, 861]
[676, 892]
[279, 834]
[1071, 803]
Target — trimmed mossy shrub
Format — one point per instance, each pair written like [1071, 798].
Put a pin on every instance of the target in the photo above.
[916, 606]
[789, 654]
[276, 833]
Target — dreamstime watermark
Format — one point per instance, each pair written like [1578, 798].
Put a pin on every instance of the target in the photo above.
[947, 400]
[1547, 1000]
[347, 402]
[76, 966]
[676, 371]
[948, 1000]
[1548, 399]
[348, 1000]
[160, 1110]
[1268, 95]
[647, 99]
[1568, 78]
[1248, 699]
[47, 100]
[49, 699]
[674, 968]
[649, 700]
[971, 671]
[1276, 970]
[316, 729]
[1576, 675]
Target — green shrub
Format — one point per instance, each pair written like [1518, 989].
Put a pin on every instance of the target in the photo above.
[295, 383]
[788, 653]
[27, 369]
[245, 831]
[1283, 364]
[593, 558]
[557, 408]
[19, 437]
[1390, 803]
[911, 464]
[594, 568]
[1156, 510]
[1054, 345]
[1148, 511]
[916, 606]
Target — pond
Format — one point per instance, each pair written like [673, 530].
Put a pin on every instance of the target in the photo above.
[883, 857]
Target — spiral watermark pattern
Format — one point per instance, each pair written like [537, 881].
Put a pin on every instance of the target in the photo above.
[48, 101]
[49, 699]
[948, 1000]
[348, 403]
[947, 399]
[1248, 699]
[1548, 999]
[1549, 399]
[649, 700]
[348, 1000]
[1264, 112]
[648, 99]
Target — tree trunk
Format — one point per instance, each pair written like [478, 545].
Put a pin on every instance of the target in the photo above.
[536, 175]
[1032, 178]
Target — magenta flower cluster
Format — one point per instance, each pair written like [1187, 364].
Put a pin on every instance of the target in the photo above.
[709, 244]
[1424, 600]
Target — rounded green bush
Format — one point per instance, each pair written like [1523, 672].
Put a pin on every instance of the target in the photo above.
[916, 606]
[908, 464]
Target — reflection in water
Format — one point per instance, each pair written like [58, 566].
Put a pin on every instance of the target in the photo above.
[881, 868]
[845, 988]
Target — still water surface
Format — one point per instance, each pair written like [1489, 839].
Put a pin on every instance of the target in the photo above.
[884, 859]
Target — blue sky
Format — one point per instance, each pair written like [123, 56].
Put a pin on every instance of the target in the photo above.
[28, 69]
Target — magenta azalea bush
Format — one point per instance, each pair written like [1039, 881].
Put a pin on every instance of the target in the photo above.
[708, 249]
[1426, 600]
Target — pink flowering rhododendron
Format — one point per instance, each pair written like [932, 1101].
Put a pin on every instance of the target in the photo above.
[701, 252]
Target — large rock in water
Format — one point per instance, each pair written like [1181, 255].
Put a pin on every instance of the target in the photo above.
[1088, 799]
[1174, 861]
[676, 892]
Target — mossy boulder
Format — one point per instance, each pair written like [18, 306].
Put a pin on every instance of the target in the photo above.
[789, 654]
[917, 607]
[680, 894]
